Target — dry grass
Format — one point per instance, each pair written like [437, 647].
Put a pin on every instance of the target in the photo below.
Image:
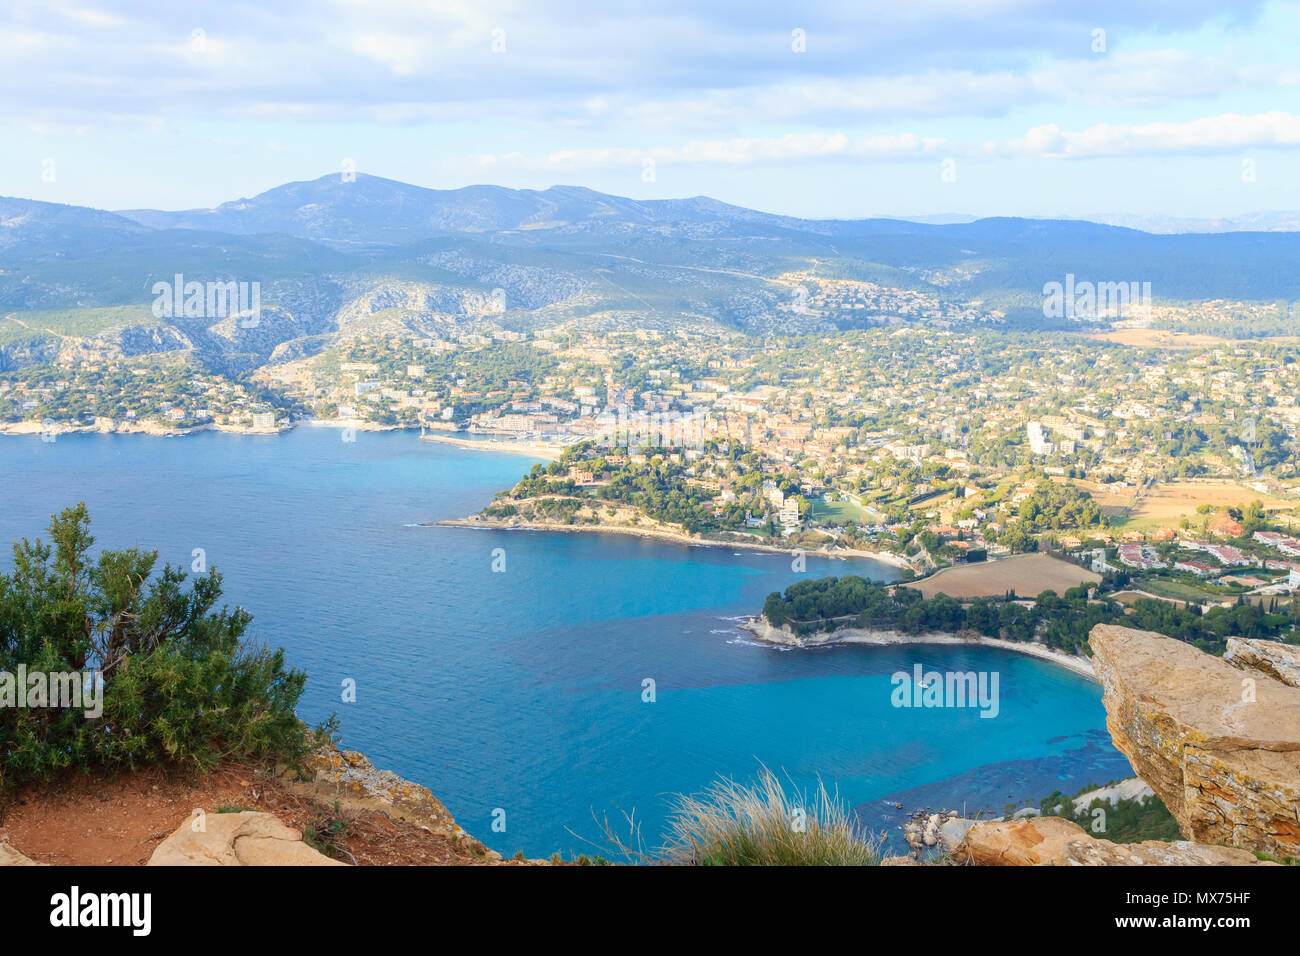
[1166, 504]
[1160, 339]
[760, 824]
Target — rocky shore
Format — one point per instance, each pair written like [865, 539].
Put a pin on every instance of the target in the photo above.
[764, 631]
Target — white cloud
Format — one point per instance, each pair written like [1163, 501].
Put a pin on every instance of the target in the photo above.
[1228, 132]
[404, 55]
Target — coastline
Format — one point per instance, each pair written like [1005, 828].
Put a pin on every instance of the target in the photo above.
[155, 429]
[664, 534]
[765, 632]
[150, 429]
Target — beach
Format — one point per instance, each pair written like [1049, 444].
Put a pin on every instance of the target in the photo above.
[550, 452]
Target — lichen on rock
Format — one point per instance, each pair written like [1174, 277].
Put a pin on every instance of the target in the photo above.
[1218, 744]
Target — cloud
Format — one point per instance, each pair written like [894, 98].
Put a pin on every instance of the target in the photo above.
[667, 63]
[1229, 132]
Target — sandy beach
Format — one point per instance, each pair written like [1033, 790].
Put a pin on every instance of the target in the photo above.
[514, 447]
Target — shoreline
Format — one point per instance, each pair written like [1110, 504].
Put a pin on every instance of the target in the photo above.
[150, 430]
[153, 429]
[765, 632]
[677, 537]
[545, 450]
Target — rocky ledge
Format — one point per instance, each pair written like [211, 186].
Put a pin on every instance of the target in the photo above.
[1277, 660]
[1053, 841]
[237, 839]
[1219, 744]
[350, 779]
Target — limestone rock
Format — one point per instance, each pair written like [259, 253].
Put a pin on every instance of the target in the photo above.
[1053, 841]
[1277, 660]
[954, 831]
[1220, 747]
[1134, 788]
[237, 839]
[11, 857]
[349, 777]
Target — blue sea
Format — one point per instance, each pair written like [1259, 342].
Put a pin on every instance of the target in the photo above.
[519, 695]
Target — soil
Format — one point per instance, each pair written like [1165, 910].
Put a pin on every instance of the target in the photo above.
[119, 821]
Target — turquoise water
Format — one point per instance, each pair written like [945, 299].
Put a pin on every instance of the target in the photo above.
[522, 691]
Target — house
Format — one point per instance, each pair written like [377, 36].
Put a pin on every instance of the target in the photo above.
[1224, 527]
[1198, 568]
[1280, 541]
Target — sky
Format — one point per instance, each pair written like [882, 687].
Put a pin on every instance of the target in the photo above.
[1184, 108]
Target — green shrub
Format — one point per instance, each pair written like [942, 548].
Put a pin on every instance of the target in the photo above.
[179, 686]
[1127, 821]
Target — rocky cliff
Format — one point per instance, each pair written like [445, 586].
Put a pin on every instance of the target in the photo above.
[1277, 660]
[1219, 744]
[1052, 841]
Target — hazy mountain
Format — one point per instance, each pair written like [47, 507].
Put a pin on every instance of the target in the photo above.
[36, 227]
[1169, 225]
[334, 258]
[373, 210]
[370, 210]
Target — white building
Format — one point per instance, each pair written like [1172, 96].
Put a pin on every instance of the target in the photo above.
[1038, 442]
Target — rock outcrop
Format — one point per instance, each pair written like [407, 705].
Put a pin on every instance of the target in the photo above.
[11, 857]
[1054, 841]
[237, 839]
[1277, 660]
[350, 779]
[1219, 745]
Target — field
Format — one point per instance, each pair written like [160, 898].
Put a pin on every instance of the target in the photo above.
[1171, 339]
[1166, 504]
[1184, 590]
[1027, 574]
[1160, 338]
[838, 512]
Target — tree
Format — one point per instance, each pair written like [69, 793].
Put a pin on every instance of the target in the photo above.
[178, 685]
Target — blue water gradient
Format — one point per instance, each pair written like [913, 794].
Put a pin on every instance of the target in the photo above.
[522, 691]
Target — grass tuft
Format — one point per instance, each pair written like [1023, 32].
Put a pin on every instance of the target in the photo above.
[761, 824]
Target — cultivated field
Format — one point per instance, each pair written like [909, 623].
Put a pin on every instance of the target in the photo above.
[1159, 338]
[1172, 339]
[1027, 574]
[1166, 504]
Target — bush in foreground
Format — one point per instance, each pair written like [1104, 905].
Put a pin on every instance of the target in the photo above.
[179, 686]
[760, 824]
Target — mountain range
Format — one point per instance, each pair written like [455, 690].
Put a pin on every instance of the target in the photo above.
[332, 253]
